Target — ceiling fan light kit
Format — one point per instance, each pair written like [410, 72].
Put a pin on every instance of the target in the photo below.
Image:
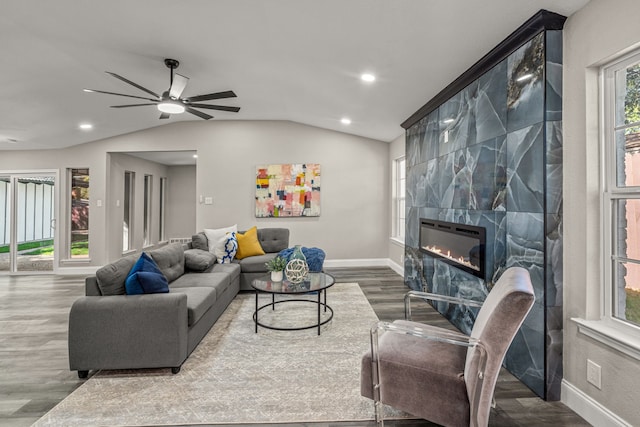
[171, 107]
[171, 102]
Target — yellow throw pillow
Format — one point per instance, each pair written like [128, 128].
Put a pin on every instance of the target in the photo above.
[248, 244]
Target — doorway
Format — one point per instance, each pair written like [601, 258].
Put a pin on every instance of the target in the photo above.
[27, 222]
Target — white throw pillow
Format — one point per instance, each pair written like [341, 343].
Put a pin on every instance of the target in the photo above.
[216, 239]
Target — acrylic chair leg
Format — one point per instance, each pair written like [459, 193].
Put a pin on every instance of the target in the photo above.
[379, 411]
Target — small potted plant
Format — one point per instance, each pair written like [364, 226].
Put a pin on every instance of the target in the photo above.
[276, 267]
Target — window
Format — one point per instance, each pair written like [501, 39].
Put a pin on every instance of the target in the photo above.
[399, 180]
[163, 205]
[621, 195]
[127, 223]
[79, 221]
[146, 227]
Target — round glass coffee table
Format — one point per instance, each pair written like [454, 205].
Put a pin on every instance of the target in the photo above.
[314, 282]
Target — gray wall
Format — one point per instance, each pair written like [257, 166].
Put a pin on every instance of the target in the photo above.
[593, 35]
[354, 220]
[181, 202]
[119, 163]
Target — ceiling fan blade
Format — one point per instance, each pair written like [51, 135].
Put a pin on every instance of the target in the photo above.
[178, 85]
[199, 113]
[210, 96]
[216, 107]
[130, 105]
[144, 89]
[119, 94]
[165, 115]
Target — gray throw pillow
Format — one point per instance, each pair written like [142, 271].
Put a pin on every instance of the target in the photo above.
[199, 241]
[198, 260]
[112, 276]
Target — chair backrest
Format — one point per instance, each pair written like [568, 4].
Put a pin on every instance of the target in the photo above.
[498, 321]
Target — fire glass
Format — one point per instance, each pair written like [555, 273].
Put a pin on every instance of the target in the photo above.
[460, 245]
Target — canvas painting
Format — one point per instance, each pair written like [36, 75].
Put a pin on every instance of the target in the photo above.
[288, 190]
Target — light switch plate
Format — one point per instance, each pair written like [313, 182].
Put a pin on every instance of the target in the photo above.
[208, 200]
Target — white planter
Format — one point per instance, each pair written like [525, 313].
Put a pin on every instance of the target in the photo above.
[277, 276]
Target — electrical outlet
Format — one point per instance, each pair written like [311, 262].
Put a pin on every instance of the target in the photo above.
[594, 373]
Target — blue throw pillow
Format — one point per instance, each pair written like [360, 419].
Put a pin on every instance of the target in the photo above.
[315, 257]
[152, 283]
[145, 263]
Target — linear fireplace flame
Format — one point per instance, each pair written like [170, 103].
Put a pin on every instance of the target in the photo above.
[460, 260]
[460, 245]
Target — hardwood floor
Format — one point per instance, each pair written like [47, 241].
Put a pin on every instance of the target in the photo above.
[34, 372]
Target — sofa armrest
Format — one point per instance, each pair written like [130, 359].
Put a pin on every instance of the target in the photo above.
[91, 287]
[128, 331]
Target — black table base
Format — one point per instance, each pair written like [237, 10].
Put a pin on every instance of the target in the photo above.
[273, 303]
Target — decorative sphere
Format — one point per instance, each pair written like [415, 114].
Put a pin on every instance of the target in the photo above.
[296, 270]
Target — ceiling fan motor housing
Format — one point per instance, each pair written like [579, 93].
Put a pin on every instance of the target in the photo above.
[171, 63]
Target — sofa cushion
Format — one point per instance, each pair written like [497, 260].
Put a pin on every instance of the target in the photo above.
[133, 284]
[273, 239]
[202, 280]
[199, 300]
[112, 276]
[170, 260]
[248, 244]
[255, 264]
[199, 241]
[198, 260]
[233, 270]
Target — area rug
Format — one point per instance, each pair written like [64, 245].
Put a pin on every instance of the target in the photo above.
[238, 376]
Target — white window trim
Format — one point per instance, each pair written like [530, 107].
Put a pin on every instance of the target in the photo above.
[607, 329]
[395, 237]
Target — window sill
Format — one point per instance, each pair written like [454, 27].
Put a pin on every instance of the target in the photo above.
[78, 261]
[397, 241]
[614, 337]
[129, 252]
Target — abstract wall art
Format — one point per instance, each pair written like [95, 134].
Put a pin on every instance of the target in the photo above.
[287, 190]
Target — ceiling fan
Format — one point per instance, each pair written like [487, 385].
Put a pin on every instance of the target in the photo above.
[171, 102]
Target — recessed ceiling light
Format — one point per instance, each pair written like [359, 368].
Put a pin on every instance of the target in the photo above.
[523, 78]
[195, 156]
[345, 121]
[367, 77]
[85, 126]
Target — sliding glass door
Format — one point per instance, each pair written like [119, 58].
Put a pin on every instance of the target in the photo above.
[27, 222]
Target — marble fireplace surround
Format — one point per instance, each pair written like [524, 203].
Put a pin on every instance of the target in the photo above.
[487, 151]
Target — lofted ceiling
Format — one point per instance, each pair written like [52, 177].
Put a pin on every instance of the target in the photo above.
[297, 60]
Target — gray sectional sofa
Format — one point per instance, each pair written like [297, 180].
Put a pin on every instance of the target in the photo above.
[272, 240]
[111, 330]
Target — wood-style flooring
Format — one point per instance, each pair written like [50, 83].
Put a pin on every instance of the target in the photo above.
[35, 376]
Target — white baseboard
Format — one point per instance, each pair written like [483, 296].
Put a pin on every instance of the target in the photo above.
[396, 267]
[335, 263]
[365, 262]
[588, 408]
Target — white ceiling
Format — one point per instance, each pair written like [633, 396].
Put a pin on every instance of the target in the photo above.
[297, 60]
